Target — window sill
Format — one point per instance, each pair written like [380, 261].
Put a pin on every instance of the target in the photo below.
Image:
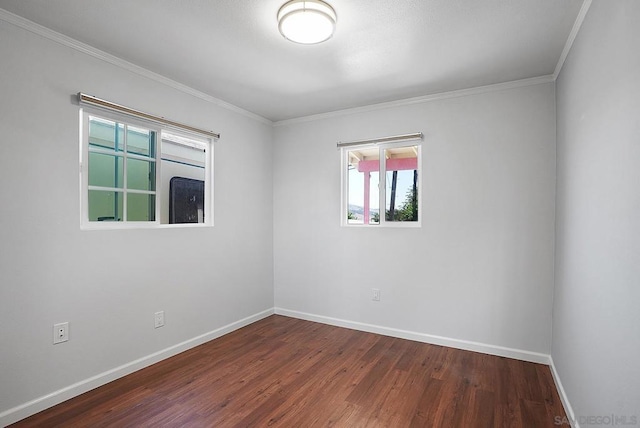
[130, 226]
[388, 225]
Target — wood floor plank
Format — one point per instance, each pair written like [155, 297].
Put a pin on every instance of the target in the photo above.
[428, 411]
[550, 394]
[481, 410]
[285, 372]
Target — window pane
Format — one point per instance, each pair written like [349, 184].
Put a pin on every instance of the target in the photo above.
[363, 204]
[182, 150]
[105, 206]
[141, 207]
[106, 170]
[141, 174]
[183, 180]
[102, 133]
[401, 165]
[141, 141]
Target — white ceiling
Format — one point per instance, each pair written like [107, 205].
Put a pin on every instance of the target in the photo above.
[383, 50]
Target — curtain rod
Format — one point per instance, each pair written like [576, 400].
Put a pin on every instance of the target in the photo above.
[94, 101]
[394, 138]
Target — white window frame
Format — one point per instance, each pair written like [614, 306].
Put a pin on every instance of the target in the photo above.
[344, 208]
[206, 142]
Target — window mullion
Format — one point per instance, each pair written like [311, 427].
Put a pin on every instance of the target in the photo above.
[141, 192]
[124, 173]
[116, 140]
[158, 172]
[141, 157]
[344, 163]
[84, 168]
[102, 151]
[419, 183]
[105, 189]
[382, 184]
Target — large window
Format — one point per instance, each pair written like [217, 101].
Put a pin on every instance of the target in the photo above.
[389, 173]
[136, 175]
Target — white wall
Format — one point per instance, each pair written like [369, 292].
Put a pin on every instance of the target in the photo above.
[480, 268]
[596, 328]
[108, 284]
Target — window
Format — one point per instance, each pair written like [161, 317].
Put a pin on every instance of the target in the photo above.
[384, 172]
[138, 175]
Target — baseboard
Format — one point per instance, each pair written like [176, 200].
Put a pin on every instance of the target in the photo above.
[39, 404]
[484, 348]
[563, 395]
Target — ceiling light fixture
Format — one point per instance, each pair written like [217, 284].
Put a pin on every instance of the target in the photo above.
[307, 21]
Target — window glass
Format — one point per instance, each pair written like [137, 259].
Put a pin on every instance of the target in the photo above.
[105, 206]
[401, 166]
[120, 156]
[141, 207]
[142, 174]
[183, 180]
[363, 204]
[106, 170]
[140, 141]
[364, 187]
[102, 134]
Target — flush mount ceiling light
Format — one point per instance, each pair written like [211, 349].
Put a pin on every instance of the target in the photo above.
[307, 21]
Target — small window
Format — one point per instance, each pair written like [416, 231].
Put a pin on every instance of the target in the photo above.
[129, 171]
[388, 173]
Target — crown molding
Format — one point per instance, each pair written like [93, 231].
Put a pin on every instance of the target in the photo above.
[126, 65]
[422, 99]
[572, 37]
[67, 41]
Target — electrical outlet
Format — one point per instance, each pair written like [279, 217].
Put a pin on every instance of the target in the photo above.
[375, 294]
[60, 332]
[159, 319]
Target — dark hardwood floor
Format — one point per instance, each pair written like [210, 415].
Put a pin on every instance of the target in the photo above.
[287, 372]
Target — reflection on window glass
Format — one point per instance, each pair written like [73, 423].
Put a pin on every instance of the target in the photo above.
[120, 156]
[140, 141]
[401, 165]
[106, 170]
[141, 174]
[105, 206]
[363, 206]
[141, 207]
[102, 133]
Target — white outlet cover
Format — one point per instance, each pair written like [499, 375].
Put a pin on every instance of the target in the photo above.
[159, 319]
[60, 332]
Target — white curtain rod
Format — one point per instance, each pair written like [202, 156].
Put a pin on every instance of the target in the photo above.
[392, 139]
[97, 102]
